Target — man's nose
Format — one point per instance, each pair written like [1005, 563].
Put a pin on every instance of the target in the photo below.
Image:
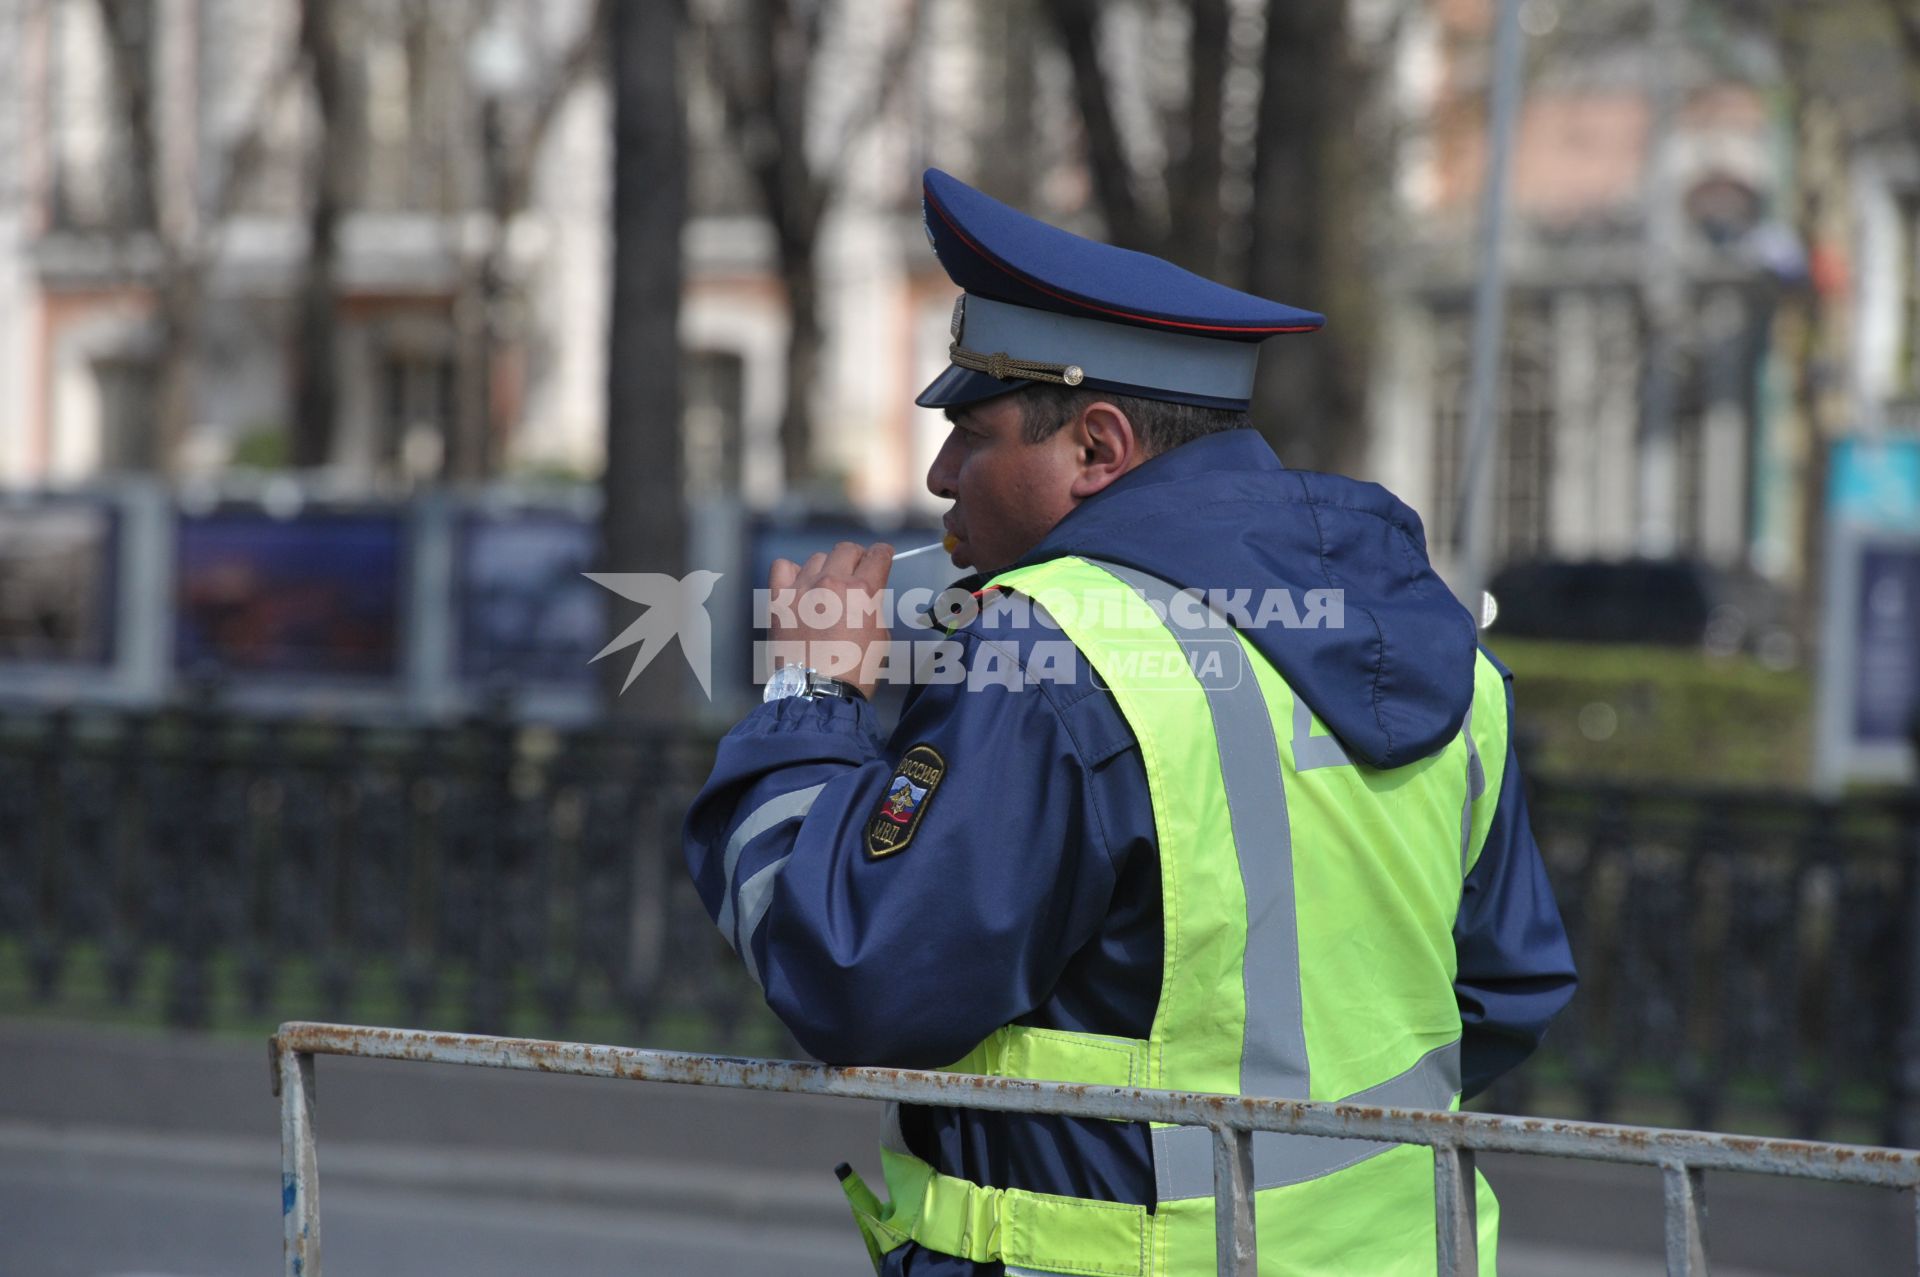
[942, 475]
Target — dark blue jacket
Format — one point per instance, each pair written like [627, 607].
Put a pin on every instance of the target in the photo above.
[1030, 891]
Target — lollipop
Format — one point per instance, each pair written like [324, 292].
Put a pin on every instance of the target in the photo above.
[947, 543]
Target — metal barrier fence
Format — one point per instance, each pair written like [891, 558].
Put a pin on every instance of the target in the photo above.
[1748, 959]
[1683, 1157]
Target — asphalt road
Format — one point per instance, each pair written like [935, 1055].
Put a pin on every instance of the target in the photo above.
[92, 1216]
[90, 1203]
[157, 1156]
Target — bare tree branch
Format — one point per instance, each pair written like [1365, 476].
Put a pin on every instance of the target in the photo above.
[1193, 194]
[246, 153]
[581, 57]
[762, 58]
[1076, 23]
[1310, 396]
[1906, 22]
[132, 33]
[793, 49]
[316, 393]
[186, 249]
[895, 60]
[812, 24]
[1906, 19]
[761, 65]
[764, 105]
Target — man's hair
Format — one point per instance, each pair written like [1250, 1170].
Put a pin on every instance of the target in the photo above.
[1160, 426]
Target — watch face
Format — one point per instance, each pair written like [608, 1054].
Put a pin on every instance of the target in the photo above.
[788, 680]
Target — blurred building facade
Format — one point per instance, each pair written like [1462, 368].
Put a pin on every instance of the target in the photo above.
[1649, 189]
[227, 204]
[83, 263]
[1651, 403]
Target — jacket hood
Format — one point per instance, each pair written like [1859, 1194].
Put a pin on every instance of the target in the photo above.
[1221, 514]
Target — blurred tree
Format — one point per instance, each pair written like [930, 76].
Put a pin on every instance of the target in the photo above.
[1076, 24]
[509, 144]
[1311, 167]
[334, 182]
[1906, 24]
[1008, 100]
[1819, 216]
[1848, 69]
[182, 220]
[133, 49]
[504, 101]
[643, 505]
[764, 59]
[1305, 233]
[1179, 215]
[644, 511]
[1197, 169]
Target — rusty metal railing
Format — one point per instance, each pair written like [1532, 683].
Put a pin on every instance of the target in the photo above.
[1683, 1157]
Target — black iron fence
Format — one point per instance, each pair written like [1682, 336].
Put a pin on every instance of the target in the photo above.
[222, 870]
[1748, 959]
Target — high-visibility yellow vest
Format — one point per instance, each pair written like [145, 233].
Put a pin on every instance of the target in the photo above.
[1308, 909]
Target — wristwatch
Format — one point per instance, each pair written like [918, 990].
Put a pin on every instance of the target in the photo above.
[798, 680]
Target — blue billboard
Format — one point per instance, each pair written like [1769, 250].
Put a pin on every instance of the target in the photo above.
[316, 594]
[524, 610]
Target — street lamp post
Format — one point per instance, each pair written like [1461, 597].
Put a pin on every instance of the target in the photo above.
[1473, 523]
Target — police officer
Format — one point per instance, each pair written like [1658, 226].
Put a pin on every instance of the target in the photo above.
[1261, 833]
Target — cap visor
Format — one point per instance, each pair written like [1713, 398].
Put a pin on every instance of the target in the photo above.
[957, 386]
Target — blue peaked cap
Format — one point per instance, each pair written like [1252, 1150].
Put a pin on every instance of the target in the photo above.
[1043, 304]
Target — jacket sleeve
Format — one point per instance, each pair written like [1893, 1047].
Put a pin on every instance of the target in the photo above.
[911, 958]
[1515, 966]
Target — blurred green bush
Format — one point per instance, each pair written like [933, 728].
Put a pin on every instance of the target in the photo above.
[1593, 711]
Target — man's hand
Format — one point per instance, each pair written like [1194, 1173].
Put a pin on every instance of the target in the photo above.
[834, 603]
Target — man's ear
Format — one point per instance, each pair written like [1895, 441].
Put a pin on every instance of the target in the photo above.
[1106, 447]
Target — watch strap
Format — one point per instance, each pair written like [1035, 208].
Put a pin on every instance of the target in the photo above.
[819, 684]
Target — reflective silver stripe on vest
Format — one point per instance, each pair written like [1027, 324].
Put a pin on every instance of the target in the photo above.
[773, 812]
[1273, 1050]
[1273, 1056]
[1476, 786]
[1183, 1155]
[892, 1138]
[1476, 772]
[1310, 751]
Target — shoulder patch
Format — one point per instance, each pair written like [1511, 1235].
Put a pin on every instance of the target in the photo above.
[909, 791]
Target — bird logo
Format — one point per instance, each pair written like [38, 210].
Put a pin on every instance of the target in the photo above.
[676, 608]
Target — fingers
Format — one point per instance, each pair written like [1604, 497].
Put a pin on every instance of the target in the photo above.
[811, 571]
[874, 566]
[844, 559]
[785, 573]
[834, 604]
[848, 561]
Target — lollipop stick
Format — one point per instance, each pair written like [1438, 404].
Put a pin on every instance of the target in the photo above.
[944, 543]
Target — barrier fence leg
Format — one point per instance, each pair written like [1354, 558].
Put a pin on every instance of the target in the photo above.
[1686, 1221]
[299, 1173]
[1456, 1211]
[1233, 1237]
[1916, 1229]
